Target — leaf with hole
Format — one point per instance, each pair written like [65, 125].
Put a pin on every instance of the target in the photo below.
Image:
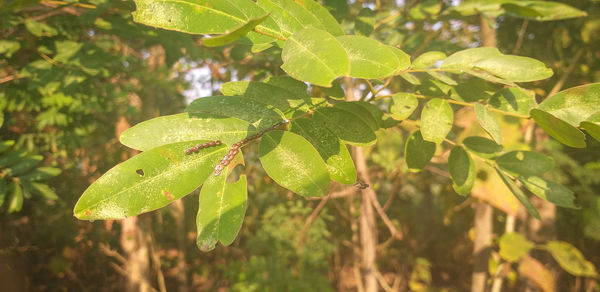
[403, 105]
[294, 163]
[168, 174]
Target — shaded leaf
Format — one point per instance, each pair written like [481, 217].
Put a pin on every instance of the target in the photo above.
[513, 246]
[488, 122]
[436, 120]
[294, 163]
[185, 127]
[364, 22]
[570, 259]
[314, 56]
[361, 112]
[42, 189]
[516, 191]
[482, 147]
[347, 126]
[549, 191]
[40, 173]
[441, 77]
[525, 163]
[5, 145]
[513, 99]
[462, 170]
[403, 105]
[558, 129]
[369, 58]
[10, 158]
[335, 154]
[167, 175]
[279, 97]
[15, 197]
[24, 165]
[338, 8]
[418, 152]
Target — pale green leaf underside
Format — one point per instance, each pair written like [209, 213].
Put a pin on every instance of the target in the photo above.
[559, 129]
[462, 170]
[314, 56]
[185, 127]
[148, 181]
[514, 68]
[294, 163]
[488, 122]
[234, 35]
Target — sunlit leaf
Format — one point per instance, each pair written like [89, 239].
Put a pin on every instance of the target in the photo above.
[557, 128]
[235, 34]
[403, 62]
[5, 145]
[148, 181]
[403, 105]
[290, 16]
[15, 197]
[335, 154]
[185, 127]
[436, 120]
[40, 173]
[347, 126]
[513, 99]
[314, 56]
[571, 259]
[549, 191]
[513, 246]
[279, 97]
[466, 58]
[427, 60]
[418, 152]
[323, 16]
[518, 193]
[462, 170]
[489, 122]
[369, 58]
[525, 163]
[573, 105]
[294, 163]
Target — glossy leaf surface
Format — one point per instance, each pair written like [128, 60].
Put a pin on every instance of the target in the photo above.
[294, 163]
[148, 181]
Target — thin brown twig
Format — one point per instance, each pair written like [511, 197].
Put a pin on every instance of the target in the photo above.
[382, 282]
[312, 218]
[386, 220]
[339, 194]
[111, 253]
[8, 78]
[520, 38]
[559, 84]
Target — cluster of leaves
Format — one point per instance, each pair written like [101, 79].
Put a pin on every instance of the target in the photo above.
[21, 177]
[313, 150]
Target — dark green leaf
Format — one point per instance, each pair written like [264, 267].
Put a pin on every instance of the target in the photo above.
[513, 99]
[482, 147]
[15, 197]
[314, 56]
[185, 127]
[4, 145]
[514, 246]
[24, 165]
[278, 97]
[338, 8]
[525, 163]
[489, 122]
[403, 105]
[360, 111]
[10, 158]
[418, 152]
[519, 194]
[462, 169]
[40, 173]
[148, 181]
[294, 163]
[41, 189]
[363, 25]
[335, 154]
[549, 191]
[571, 259]
[347, 126]
[557, 128]
[436, 120]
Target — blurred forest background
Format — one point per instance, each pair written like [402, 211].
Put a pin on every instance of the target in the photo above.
[74, 75]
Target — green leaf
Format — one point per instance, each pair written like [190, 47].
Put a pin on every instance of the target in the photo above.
[361, 112]
[374, 110]
[258, 114]
[557, 128]
[592, 126]
[514, 246]
[335, 91]
[514, 100]
[347, 126]
[148, 181]
[514, 68]
[403, 62]
[544, 10]
[314, 56]
[427, 60]
[525, 163]
[338, 8]
[436, 120]
[335, 154]
[40, 173]
[549, 191]
[364, 22]
[39, 28]
[570, 259]
[519, 194]
[42, 189]
[279, 97]
[482, 147]
[466, 58]
[462, 169]
[472, 90]
[293, 163]
[325, 18]
[24, 165]
[441, 77]
[221, 210]
[410, 78]
[290, 16]
[65, 50]
[10, 158]
[403, 105]
[298, 88]
[369, 58]
[5, 145]
[488, 122]
[418, 152]
[15, 199]
[3, 191]
[235, 34]
[488, 77]
[185, 127]
[8, 47]
[574, 105]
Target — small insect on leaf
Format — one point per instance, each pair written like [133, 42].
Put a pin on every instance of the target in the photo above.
[140, 172]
